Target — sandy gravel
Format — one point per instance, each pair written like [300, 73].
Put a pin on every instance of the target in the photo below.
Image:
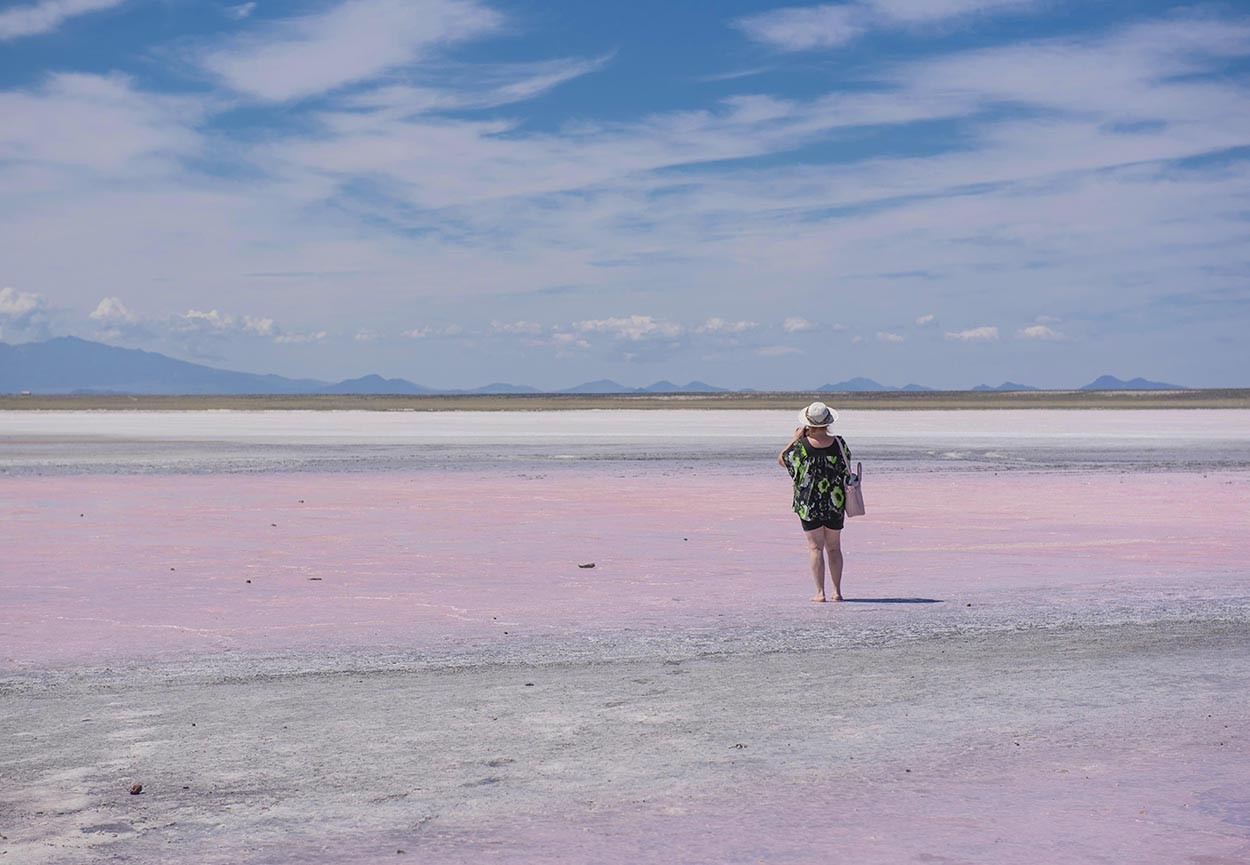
[356, 756]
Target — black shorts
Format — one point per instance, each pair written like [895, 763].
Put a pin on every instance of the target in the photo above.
[834, 523]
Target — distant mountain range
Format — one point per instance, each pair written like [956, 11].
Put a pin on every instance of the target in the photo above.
[859, 385]
[1110, 382]
[68, 364]
[1007, 385]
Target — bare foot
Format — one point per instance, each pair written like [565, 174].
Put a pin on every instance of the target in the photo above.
[838, 598]
[820, 599]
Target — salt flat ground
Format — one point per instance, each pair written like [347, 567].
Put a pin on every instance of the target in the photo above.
[317, 637]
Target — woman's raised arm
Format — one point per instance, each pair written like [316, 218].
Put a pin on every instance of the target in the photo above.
[798, 434]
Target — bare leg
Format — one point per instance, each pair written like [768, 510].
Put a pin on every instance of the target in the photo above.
[833, 549]
[816, 552]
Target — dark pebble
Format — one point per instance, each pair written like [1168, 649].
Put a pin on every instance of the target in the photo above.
[136, 789]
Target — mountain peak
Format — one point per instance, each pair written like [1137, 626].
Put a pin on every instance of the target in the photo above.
[1110, 382]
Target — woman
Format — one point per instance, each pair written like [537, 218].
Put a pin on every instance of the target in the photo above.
[819, 464]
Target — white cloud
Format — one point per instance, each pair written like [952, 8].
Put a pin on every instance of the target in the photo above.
[472, 87]
[223, 324]
[805, 28]
[1039, 331]
[926, 320]
[434, 331]
[482, 203]
[97, 122]
[529, 328]
[795, 324]
[25, 312]
[802, 28]
[296, 338]
[887, 336]
[633, 328]
[110, 310]
[925, 11]
[203, 320]
[975, 334]
[46, 16]
[243, 10]
[507, 83]
[777, 350]
[364, 334]
[19, 306]
[565, 341]
[722, 326]
[353, 41]
[258, 326]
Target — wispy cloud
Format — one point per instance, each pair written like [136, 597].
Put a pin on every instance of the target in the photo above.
[434, 331]
[634, 327]
[1098, 171]
[97, 122]
[46, 15]
[353, 41]
[776, 350]
[797, 324]
[976, 334]
[733, 75]
[807, 28]
[925, 11]
[566, 342]
[801, 28]
[300, 338]
[524, 328]
[889, 336]
[1039, 332]
[723, 326]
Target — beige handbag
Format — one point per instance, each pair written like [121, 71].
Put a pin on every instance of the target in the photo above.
[852, 488]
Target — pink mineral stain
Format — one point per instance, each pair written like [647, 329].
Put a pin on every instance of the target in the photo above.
[99, 568]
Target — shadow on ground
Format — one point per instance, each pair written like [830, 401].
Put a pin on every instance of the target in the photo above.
[891, 601]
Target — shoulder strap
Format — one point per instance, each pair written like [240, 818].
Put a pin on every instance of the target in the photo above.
[842, 452]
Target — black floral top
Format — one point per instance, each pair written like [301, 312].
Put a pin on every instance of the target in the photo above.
[818, 474]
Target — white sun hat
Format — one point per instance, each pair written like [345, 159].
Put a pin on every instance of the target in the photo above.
[817, 414]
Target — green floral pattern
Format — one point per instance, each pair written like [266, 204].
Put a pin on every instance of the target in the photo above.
[818, 478]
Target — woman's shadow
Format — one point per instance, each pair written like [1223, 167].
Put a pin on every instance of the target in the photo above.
[891, 601]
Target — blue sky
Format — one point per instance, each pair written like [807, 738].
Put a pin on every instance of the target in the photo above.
[753, 194]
